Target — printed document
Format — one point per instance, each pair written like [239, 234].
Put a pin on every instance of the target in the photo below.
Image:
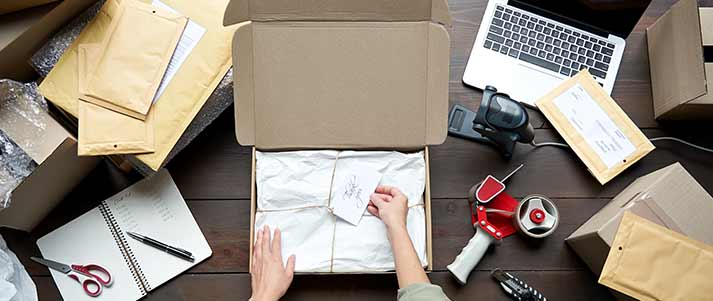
[190, 38]
[594, 125]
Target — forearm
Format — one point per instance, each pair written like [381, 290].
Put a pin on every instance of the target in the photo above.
[408, 266]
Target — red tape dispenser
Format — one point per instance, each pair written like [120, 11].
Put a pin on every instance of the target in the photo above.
[496, 215]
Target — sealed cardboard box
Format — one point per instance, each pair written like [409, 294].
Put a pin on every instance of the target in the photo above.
[341, 75]
[38, 157]
[681, 59]
[670, 197]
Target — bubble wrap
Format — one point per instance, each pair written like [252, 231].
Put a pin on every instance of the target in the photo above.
[18, 103]
[220, 100]
[15, 166]
[47, 57]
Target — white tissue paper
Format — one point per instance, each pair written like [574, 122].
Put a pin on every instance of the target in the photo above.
[292, 194]
[15, 283]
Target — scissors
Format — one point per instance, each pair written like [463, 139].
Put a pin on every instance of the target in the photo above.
[92, 282]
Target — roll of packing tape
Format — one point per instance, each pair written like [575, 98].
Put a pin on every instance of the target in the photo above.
[536, 216]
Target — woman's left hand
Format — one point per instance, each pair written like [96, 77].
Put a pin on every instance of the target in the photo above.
[270, 279]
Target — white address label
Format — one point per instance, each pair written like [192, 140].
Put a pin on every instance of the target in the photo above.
[598, 130]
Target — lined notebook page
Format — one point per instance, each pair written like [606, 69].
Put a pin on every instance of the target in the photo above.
[155, 208]
[87, 240]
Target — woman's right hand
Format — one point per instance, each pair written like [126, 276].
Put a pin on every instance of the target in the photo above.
[390, 205]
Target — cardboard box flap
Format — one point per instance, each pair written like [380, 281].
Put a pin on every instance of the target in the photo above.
[47, 186]
[330, 84]
[676, 56]
[8, 6]
[38, 25]
[337, 10]
[706, 14]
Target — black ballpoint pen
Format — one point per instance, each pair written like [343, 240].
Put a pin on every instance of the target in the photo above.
[178, 252]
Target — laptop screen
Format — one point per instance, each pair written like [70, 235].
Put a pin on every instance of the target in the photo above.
[617, 17]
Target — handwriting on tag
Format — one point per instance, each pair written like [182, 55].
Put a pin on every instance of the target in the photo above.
[351, 191]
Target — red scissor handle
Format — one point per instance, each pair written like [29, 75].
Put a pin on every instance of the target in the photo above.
[90, 285]
[90, 271]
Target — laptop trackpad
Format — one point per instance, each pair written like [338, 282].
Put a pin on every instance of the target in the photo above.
[527, 84]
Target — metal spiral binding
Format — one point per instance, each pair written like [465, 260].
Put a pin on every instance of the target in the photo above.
[126, 251]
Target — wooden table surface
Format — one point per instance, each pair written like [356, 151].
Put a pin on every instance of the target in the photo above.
[213, 174]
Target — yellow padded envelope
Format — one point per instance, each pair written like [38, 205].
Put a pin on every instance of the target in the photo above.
[593, 124]
[103, 131]
[133, 58]
[649, 262]
[184, 96]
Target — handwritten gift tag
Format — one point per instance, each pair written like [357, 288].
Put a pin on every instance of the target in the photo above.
[351, 191]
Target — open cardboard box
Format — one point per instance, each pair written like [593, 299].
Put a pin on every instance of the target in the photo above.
[681, 58]
[341, 74]
[59, 168]
[669, 196]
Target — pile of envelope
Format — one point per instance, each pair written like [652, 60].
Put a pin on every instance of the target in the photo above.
[121, 77]
[293, 191]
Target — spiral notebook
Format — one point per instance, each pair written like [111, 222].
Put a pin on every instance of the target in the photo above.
[153, 207]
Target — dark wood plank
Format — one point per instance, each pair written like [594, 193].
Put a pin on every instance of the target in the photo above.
[214, 166]
[46, 289]
[555, 172]
[579, 286]
[226, 226]
[571, 285]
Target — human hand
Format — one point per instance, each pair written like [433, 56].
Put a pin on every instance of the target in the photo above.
[269, 278]
[390, 205]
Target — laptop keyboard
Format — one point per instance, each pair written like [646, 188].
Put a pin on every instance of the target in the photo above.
[538, 41]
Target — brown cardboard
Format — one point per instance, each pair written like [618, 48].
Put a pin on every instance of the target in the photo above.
[9, 6]
[341, 75]
[46, 187]
[59, 170]
[359, 88]
[23, 32]
[670, 197]
[679, 75]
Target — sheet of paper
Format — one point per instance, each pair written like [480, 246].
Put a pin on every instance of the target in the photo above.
[351, 192]
[191, 35]
[595, 126]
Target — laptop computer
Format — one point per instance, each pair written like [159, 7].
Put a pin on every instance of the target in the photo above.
[525, 48]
